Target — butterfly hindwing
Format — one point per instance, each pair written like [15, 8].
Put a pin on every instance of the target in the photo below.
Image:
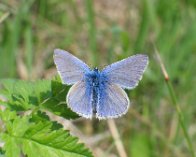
[79, 99]
[70, 68]
[127, 72]
[113, 102]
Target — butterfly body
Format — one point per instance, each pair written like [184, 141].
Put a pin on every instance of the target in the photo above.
[99, 93]
[94, 81]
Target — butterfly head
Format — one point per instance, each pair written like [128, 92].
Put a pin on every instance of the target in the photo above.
[96, 69]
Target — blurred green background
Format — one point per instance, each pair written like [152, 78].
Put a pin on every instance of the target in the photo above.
[102, 32]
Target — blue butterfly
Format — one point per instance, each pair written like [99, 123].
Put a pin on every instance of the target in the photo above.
[95, 92]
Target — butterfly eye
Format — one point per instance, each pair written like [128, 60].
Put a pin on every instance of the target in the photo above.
[96, 69]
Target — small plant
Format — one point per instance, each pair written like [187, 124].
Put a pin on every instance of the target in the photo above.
[26, 129]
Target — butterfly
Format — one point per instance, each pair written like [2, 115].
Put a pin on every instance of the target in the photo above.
[99, 93]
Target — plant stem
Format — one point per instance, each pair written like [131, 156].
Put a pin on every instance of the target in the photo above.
[180, 116]
[116, 136]
[174, 103]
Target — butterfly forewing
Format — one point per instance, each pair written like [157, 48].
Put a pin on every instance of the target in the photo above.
[70, 68]
[128, 72]
[113, 102]
[79, 99]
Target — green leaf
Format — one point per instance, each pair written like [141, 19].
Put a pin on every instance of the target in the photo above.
[41, 94]
[11, 146]
[24, 95]
[43, 117]
[25, 135]
[6, 115]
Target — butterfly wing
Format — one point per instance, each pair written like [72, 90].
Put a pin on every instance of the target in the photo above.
[113, 102]
[128, 72]
[70, 68]
[79, 99]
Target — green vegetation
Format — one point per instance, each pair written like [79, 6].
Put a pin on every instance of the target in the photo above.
[99, 32]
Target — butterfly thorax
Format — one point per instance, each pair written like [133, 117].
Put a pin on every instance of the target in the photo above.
[92, 78]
